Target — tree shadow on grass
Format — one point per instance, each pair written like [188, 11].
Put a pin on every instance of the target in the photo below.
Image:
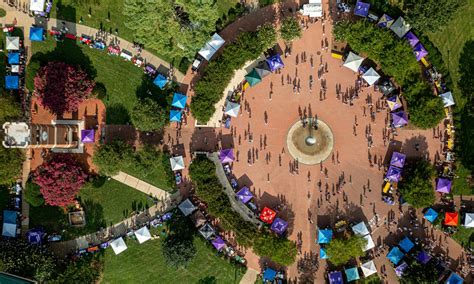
[117, 114]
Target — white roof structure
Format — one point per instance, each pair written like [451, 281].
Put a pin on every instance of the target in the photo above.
[370, 243]
[9, 230]
[187, 207]
[371, 76]
[142, 235]
[313, 9]
[400, 27]
[368, 268]
[15, 68]
[448, 99]
[211, 47]
[118, 245]
[37, 5]
[469, 220]
[353, 61]
[232, 109]
[360, 229]
[13, 43]
[177, 163]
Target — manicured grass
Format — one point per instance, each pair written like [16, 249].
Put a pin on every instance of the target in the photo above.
[465, 237]
[461, 185]
[145, 264]
[105, 203]
[123, 81]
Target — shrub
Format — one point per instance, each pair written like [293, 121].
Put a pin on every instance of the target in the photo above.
[33, 194]
[290, 29]
[112, 157]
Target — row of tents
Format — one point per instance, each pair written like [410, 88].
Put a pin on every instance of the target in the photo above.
[352, 274]
[450, 218]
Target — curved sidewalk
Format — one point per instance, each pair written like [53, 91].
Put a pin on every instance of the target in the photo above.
[24, 20]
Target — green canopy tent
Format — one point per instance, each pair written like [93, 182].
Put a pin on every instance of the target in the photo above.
[253, 78]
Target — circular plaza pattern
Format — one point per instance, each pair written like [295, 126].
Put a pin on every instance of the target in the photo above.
[308, 144]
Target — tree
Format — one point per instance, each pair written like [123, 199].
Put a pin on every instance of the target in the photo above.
[33, 194]
[267, 35]
[340, 251]
[174, 28]
[466, 69]
[290, 29]
[148, 115]
[178, 247]
[112, 157]
[61, 87]
[14, 158]
[60, 180]
[9, 109]
[85, 269]
[280, 250]
[417, 184]
[417, 273]
[426, 110]
[430, 15]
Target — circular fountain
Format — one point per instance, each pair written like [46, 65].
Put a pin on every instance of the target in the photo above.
[310, 143]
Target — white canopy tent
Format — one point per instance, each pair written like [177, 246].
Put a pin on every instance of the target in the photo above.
[353, 61]
[37, 5]
[370, 243]
[118, 245]
[177, 163]
[187, 207]
[368, 268]
[232, 109]
[13, 43]
[469, 220]
[142, 235]
[448, 99]
[211, 47]
[371, 76]
[360, 229]
[400, 27]
[313, 9]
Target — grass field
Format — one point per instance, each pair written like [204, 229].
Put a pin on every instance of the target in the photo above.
[145, 264]
[104, 204]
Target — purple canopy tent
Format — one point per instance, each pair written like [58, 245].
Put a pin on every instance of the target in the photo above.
[398, 159]
[399, 119]
[419, 51]
[361, 9]
[279, 226]
[394, 174]
[423, 257]
[335, 277]
[412, 39]
[275, 62]
[399, 270]
[244, 195]
[87, 135]
[394, 103]
[443, 185]
[226, 156]
[218, 243]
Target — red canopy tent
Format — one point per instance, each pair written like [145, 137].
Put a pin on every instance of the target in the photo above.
[267, 215]
[451, 219]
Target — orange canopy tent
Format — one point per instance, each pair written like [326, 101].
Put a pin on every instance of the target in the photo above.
[267, 215]
[451, 219]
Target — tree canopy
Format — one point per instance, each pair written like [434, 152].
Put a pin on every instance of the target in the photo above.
[60, 180]
[430, 15]
[290, 29]
[111, 157]
[14, 158]
[148, 115]
[340, 251]
[424, 107]
[178, 247]
[267, 35]
[33, 194]
[174, 28]
[61, 87]
[9, 109]
[417, 273]
[417, 184]
[278, 249]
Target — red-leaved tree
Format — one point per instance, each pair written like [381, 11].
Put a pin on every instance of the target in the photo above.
[60, 180]
[61, 87]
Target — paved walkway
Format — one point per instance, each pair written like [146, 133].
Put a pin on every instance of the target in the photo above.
[24, 20]
[249, 277]
[142, 186]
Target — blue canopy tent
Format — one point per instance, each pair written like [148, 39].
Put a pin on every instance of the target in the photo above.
[454, 279]
[275, 62]
[160, 81]
[179, 100]
[406, 244]
[431, 215]
[9, 223]
[324, 236]
[175, 115]
[36, 34]
[352, 274]
[395, 255]
[13, 58]
[269, 275]
[323, 254]
[361, 9]
[12, 82]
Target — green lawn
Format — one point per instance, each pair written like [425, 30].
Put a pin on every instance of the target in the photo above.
[105, 203]
[123, 81]
[145, 264]
[465, 236]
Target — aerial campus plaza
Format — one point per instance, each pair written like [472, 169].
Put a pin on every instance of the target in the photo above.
[227, 141]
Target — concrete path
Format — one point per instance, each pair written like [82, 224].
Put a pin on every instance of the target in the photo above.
[25, 21]
[142, 186]
[249, 277]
